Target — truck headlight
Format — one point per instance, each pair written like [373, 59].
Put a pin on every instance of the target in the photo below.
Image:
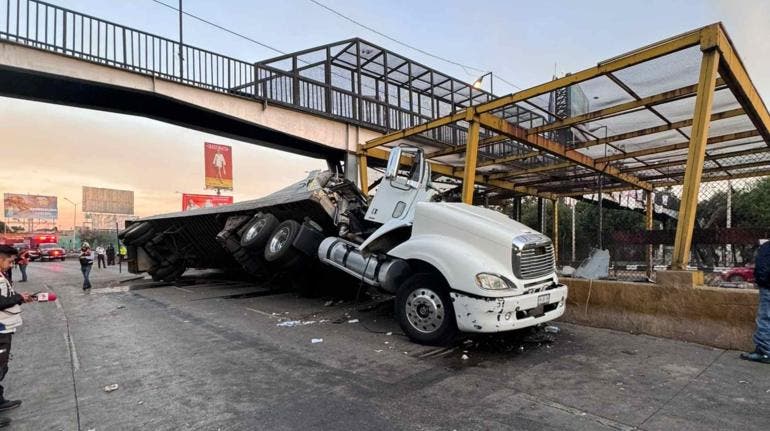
[492, 281]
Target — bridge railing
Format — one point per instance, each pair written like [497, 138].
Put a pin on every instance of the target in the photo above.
[56, 29]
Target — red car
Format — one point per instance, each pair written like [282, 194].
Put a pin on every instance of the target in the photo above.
[51, 252]
[739, 274]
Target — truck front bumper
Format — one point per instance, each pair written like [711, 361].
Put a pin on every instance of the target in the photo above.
[481, 314]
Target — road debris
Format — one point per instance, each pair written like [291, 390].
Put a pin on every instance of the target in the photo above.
[388, 333]
[293, 323]
[464, 357]
[353, 321]
[328, 303]
[110, 388]
[552, 329]
[317, 340]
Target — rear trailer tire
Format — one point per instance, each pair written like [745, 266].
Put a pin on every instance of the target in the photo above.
[133, 233]
[258, 231]
[141, 239]
[279, 249]
[175, 274]
[424, 310]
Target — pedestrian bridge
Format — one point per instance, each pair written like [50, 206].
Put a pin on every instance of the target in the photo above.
[320, 102]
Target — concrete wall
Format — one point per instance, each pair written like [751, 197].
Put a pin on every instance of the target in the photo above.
[712, 316]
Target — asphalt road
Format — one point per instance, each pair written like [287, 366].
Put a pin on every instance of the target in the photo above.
[213, 354]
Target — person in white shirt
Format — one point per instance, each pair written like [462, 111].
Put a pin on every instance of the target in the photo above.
[100, 255]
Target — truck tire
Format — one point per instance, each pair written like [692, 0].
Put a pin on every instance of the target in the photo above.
[175, 274]
[165, 272]
[140, 239]
[122, 234]
[133, 233]
[257, 231]
[424, 310]
[279, 250]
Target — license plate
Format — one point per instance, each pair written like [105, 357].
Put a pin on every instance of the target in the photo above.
[544, 299]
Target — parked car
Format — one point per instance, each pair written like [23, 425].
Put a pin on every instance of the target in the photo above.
[52, 252]
[739, 274]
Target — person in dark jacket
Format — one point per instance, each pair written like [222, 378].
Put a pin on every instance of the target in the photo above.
[762, 335]
[22, 261]
[10, 319]
[110, 255]
[86, 263]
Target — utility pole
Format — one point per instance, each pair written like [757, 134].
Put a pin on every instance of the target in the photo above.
[181, 43]
[728, 247]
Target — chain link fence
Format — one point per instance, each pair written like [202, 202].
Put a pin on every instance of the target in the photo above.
[732, 217]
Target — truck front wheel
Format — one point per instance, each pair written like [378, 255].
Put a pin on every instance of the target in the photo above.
[424, 310]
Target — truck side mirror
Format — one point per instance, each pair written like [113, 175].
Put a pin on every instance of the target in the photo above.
[394, 159]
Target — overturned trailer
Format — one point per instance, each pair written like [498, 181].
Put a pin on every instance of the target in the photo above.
[451, 266]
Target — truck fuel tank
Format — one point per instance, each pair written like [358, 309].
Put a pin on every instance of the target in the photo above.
[378, 270]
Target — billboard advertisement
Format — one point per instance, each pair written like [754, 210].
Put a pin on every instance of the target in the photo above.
[109, 201]
[218, 161]
[19, 206]
[191, 202]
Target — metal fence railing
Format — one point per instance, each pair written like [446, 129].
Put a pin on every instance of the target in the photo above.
[732, 217]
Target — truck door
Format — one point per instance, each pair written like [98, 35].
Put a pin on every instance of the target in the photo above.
[398, 192]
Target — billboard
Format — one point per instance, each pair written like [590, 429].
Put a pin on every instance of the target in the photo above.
[110, 201]
[19, 206]
[191, 202]
[218, 162]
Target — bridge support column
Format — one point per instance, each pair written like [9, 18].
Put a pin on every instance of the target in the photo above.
[351, 167]
[695, 159]
[363, 174]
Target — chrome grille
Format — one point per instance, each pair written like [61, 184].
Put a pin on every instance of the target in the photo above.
[533, 260]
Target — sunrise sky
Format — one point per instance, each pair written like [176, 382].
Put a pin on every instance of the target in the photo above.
[49, 149]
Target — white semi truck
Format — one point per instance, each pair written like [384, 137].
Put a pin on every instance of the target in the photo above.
[451, 266]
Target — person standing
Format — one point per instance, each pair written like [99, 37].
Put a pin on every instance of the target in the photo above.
[22, 261]
[761, 352]
[110, 254]
[122, 252]
[100, 257]
[86, 263]
[10, 319]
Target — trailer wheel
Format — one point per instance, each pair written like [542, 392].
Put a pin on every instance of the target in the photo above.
[257, 232]
[424, 310]
[132, 234]
[279, 249]
[169, 272]
[175, 274]
[140, 239]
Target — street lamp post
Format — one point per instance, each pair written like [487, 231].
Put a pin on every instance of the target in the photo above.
[74, 222]
[477, 83]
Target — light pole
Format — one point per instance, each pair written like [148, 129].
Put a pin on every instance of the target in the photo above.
[74, 222]
[181, 43]
[477, 83]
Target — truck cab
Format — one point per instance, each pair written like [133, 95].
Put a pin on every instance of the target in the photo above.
[452, 266]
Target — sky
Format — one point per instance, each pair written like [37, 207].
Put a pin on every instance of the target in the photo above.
[49, 149]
